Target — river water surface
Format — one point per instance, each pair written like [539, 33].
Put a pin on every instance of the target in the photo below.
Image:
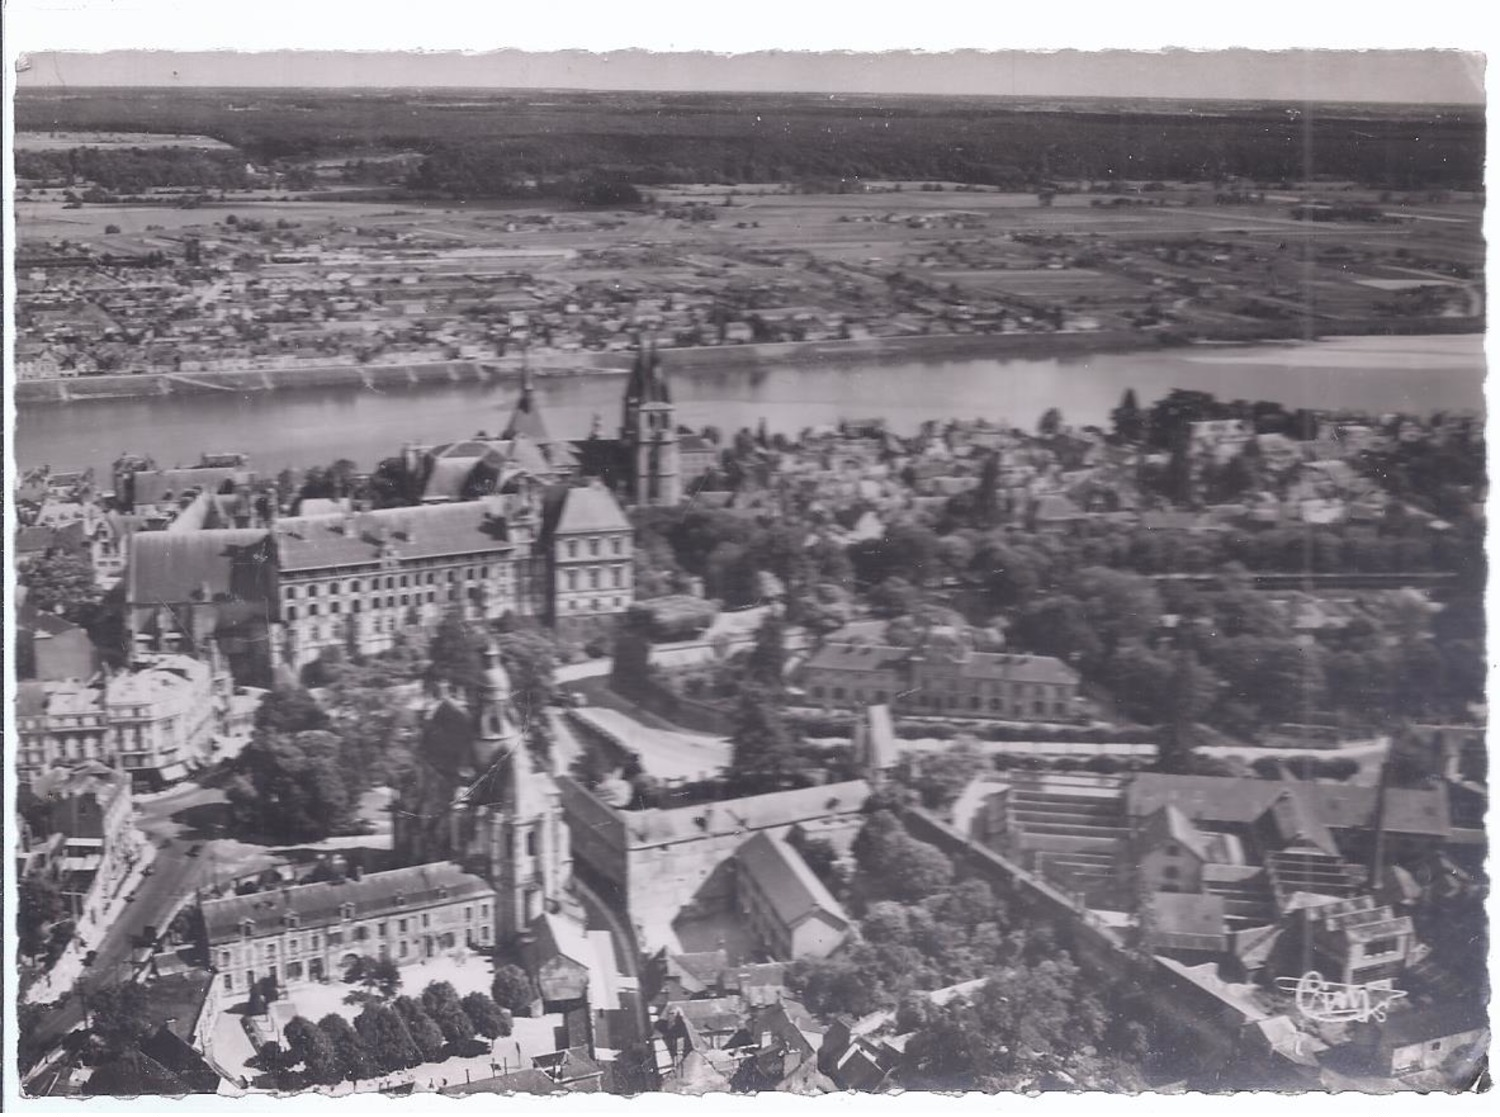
[300, 428]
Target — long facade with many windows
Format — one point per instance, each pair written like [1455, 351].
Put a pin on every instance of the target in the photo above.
[313, 932]
[948, 680]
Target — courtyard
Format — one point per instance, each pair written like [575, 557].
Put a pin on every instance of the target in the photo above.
[230, 1045]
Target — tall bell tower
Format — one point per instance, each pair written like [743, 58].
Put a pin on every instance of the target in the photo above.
[650, 431]
[521, 824]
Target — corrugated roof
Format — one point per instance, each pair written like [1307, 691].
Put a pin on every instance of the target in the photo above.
[782, 876]
[319, 904]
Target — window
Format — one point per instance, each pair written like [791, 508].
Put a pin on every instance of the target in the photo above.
[229, 981]
[291, 612]
[1382, 946]
[531, 843]
[312, 610]
[403, 948]
[593, 579]
[618, 545]
[594, 547]
[426, 920]
[572, 548]
[312, 591]
[619, 573]
[1170, 872]
[401, 926]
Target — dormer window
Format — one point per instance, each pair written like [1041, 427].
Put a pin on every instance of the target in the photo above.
[346, 910]
[247, 928]
[442, 892]
[400, 900]
[292, 919]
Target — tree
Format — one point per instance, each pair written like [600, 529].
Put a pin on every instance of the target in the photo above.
[290, 710]
[354, 1059]
[488, 1018]
[1028, 1027]
[1057, 626]
[1119, 605]
[456, 655]
[766, 664]
[39, 904]
[764, 757]
[424, 1031]
[310, 1045]
[387, 1038]
[631, 670]
[512, 989]
[119, 1015]
[942, 775]
[1129, 423]
[380, 978]
[1050, 423]
[894, 865]
[441, 1002]
[289, 787]
[530, 659]
[62, 582]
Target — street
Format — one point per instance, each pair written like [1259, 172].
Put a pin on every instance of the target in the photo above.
[176, 873]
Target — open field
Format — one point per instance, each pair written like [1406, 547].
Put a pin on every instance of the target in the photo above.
[63, 141]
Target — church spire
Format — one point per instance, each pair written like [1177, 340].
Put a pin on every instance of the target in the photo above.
[526, 419]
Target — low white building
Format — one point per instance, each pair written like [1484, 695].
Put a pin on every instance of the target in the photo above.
[155, 722]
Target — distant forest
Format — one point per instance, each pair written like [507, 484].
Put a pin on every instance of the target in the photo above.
[484, 143]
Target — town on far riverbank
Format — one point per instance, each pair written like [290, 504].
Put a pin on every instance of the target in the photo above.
[280, 275]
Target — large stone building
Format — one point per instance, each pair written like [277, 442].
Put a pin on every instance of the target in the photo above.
[475, 797]
[666, 862]
[313, 931]
[524, 524]
[942, 676]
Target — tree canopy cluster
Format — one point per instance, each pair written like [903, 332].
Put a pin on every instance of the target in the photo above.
[391, 1033]
[921, 930]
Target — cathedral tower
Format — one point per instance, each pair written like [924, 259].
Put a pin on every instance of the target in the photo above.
[650, 431]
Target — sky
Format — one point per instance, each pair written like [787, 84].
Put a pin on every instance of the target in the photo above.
[1410, 76]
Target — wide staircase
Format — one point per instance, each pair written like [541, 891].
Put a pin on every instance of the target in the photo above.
[1073, 833]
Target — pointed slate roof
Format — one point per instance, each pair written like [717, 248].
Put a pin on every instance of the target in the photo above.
[526, 419]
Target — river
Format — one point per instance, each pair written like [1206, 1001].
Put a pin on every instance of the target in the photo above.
[315, 426]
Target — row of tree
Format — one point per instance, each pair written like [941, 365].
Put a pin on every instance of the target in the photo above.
[385, 1037]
